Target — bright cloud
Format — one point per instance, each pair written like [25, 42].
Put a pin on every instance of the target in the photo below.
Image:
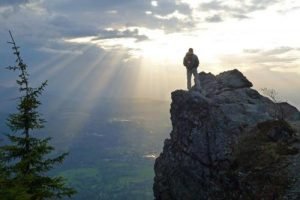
[175, 14]
[154, 3]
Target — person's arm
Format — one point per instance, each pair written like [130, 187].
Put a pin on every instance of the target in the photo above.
[185, 61]
[196, 61]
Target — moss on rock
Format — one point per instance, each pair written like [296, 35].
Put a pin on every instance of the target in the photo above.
[261, 159]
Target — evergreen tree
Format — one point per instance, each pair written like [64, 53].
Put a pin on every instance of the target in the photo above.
[25, 161]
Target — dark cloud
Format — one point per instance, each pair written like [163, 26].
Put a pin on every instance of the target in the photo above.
[12, 2]
[41, 26]
[129, 6]
[67, 26]
[118, 12]
[77, 18]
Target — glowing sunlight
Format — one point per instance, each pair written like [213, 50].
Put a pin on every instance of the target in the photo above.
[120, 81]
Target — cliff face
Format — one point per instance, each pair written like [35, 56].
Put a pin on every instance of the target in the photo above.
[205, 130]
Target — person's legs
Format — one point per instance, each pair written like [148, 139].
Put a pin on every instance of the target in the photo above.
[189, 78]
[196, 78]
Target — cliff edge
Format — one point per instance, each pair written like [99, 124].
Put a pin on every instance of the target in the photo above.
[206, 132]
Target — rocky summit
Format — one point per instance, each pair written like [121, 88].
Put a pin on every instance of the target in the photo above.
[207, 125]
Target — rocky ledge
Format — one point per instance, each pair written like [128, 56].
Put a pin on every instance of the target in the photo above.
[200, 160]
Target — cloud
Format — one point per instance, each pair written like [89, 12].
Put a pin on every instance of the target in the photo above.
[279, 51]
[287, 69]
[214, 19]
[127, 33]
[251, 50]
[59, 51]
[260, 5]
[44, 26]
[289, 9]
[273, 59]
[236, 9]
[65, 18]
[12, 2]
[175, 14]
[118, 13]
[271, 52]
[240, 7]
[214, 5]
[114, 29]
[240, 16]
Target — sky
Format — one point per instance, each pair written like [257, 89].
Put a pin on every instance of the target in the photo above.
[134, 49]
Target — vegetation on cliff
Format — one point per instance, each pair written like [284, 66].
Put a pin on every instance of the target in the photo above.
[259, 168]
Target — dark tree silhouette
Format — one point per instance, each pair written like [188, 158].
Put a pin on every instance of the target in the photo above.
[25, 161]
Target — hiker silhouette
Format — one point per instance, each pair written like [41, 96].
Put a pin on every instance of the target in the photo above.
[191, 62]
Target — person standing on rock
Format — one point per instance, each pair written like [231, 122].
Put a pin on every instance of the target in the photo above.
[191, 62]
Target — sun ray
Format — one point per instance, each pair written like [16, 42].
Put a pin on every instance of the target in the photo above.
[71, 89]
[49, 62]
[96, 82]
[52, 69]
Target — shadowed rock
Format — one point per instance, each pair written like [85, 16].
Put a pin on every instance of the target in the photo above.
[205, 128]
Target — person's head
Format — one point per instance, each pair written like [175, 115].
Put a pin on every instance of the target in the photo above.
[191, 51]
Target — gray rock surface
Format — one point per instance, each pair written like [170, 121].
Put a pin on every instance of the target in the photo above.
[205, 127]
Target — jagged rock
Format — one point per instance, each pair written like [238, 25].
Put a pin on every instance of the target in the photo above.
[289, 111]
[233, 79]
[205, 128]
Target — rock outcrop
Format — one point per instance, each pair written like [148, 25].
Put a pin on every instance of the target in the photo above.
[205, 130]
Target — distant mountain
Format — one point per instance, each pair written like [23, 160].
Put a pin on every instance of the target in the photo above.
[112, 146]
[112, 143]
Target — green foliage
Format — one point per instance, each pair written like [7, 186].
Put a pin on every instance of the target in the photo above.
[261, 161]
[113, 180]
[25, 161]
[259, 167]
